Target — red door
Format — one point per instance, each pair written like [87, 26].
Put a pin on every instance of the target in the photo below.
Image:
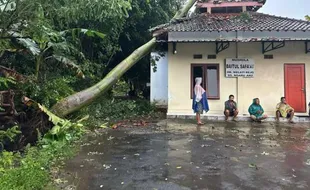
[295, 91]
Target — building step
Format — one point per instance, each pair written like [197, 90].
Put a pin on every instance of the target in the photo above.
[297, 119]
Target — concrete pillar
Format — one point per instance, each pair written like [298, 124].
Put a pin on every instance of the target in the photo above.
[209, 10]
[244, 9]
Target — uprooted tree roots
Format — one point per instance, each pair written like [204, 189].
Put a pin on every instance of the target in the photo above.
[22, 128]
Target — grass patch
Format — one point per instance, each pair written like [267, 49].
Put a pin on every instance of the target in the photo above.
[31, 169]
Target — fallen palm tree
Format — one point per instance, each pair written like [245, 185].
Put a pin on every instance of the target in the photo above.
[84, 98]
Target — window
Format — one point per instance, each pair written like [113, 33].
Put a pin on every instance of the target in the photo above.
[211, 56]
[210, 79]
[226, 10]
[197, 56]
[268, 56]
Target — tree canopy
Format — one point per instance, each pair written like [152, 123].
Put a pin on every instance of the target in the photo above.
[62, 47]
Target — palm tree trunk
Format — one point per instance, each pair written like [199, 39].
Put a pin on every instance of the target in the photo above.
[81, 99]
[39, 61]
[77, 101]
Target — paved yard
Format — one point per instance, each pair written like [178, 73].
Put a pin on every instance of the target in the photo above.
[179, 155]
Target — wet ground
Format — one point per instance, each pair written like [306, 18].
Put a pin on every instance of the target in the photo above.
[180, 155]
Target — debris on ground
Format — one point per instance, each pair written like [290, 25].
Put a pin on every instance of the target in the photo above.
[235, 159]
[253, 166]
[126, 123]
[205, 145]
[265, 153]
[104, 126]
[106, 166]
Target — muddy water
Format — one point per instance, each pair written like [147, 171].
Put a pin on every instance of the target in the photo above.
[180, 155]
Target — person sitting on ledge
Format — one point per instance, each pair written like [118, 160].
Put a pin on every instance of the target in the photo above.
[284, 110]
[231, 108]
[256, 111]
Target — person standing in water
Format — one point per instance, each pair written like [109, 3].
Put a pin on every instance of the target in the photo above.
[200, 100]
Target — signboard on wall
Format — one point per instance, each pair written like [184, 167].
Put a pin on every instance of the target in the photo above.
[240, 67]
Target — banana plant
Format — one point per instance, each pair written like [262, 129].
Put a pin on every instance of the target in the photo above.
[83, 98]
[34, 33]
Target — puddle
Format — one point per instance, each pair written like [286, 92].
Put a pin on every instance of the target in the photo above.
[184, 156]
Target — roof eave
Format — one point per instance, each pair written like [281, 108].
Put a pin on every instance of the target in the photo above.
[242, 36]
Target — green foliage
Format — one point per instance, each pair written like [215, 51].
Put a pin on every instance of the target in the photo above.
[51, 91]
[68, 12]
[53, 38]
[52, 30]
[7, 161]
[143, 16]
[121, 88]
[245, 17]
[6, 83]
[63, 130]
[31, 170]
[112, 110]
[307, 17]
[9, 134]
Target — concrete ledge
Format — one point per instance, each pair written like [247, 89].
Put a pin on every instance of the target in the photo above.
[211, 117]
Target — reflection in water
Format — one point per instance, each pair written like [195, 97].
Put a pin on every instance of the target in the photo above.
[186, 156]
[295, 149]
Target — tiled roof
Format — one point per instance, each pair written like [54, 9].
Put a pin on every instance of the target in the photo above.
[219, 2]
[211, 1]
[251, 21]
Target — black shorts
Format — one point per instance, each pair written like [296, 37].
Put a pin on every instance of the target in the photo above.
[231, 113]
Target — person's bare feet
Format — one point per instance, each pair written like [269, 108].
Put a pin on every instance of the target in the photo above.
[200, 123]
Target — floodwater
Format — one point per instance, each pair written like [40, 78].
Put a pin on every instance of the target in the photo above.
[180, 155]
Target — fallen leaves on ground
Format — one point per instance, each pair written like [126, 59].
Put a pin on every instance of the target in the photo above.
[253, 166]
[235, 159]
[104, 126]
[126, 123]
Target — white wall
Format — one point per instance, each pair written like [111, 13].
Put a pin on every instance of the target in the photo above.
[268, 83]
[159, 80]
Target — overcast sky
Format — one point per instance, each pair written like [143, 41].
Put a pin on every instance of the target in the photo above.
[287, 8]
